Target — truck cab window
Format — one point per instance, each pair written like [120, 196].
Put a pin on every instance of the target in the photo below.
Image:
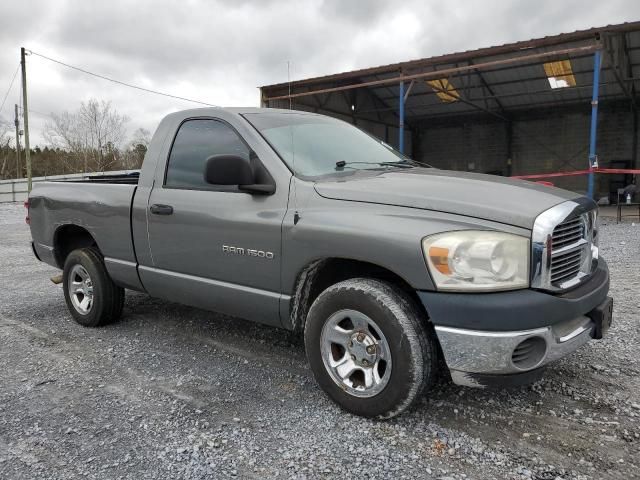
[196, 141]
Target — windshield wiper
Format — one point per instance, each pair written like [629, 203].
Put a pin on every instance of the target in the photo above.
[402, 164]
[417, 162]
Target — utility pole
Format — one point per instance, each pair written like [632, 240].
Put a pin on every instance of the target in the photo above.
[25, 112]
[17, 122]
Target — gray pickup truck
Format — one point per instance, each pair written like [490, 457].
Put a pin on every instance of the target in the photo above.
[391, 270]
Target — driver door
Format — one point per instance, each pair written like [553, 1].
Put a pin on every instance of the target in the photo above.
[213, 246]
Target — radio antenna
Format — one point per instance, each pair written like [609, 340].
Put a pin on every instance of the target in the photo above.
[289, 82]
[296, 216]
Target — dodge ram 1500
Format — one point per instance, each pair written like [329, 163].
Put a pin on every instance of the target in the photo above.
[392, 271]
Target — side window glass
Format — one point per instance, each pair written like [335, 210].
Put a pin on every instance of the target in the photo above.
[196, 141]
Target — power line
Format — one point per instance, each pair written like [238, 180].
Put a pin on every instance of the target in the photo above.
[10, 86]
[104, 77]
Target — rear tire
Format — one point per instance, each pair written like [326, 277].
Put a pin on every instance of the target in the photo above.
[370, 347]
[91, 296]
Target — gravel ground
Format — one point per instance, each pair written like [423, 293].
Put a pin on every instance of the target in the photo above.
[175, 392]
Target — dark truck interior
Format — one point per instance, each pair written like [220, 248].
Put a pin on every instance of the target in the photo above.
[121, 178]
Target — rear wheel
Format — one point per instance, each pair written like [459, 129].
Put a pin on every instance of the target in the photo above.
[91, 296]
[370, 348]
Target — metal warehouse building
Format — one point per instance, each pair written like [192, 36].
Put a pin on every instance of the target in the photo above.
[522, 108]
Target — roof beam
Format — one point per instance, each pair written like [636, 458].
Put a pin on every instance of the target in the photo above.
[514, 109]
[506, 95]
[628, 74]
[394, 111]
[347, 114]
[443, 72]
[605, 68]
[489, 89]
[472, 104]
[613, 55]
[530, 79]
[406, 95]
[326, 100]
[520, 64]
[468, 101]
[467, 83]
[318, 103]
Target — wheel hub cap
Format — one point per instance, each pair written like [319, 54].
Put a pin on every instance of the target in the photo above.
[362, 349]
[355, 353]
[81, 289]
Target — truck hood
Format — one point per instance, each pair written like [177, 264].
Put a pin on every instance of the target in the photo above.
[489, 197]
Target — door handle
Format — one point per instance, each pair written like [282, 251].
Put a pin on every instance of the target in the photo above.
[158, 209]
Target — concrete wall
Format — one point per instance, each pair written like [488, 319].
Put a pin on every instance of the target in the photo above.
[478, 147]
[16, 190]
[540, 143]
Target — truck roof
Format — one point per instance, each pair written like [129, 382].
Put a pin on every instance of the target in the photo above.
[233, 110]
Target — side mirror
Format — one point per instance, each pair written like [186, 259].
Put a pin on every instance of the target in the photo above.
[235, 170]
[228, 170]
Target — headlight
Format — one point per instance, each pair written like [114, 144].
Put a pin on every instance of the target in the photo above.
[477, 260]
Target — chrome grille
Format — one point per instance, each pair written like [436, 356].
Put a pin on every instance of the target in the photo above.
[568, 232]
[567, 249]
[564, 245]
[566, 265]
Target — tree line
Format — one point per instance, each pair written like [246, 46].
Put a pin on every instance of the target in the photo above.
[92, 138]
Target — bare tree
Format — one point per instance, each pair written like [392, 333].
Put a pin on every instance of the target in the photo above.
[65, 132]
[5, 152]
[141, 136]
[93, 135]
[137, 149]
[5, 126]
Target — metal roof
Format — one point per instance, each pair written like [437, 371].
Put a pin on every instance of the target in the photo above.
[496, 80]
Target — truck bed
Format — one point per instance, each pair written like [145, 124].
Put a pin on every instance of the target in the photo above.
[100, 206]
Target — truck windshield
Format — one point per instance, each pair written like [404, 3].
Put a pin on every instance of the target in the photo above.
[315, 145]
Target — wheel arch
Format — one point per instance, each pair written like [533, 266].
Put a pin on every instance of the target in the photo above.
[68, 238]
[320, 274]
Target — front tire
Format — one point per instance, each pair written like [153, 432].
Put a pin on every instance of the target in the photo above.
[91, 296]
[370, 348]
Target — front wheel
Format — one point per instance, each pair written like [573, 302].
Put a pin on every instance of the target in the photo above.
[91, 296]
[370, 348]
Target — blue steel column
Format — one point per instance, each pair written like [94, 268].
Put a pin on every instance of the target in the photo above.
[401, 115]
[593, 158]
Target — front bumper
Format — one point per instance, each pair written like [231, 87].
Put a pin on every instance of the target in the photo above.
[481, 345]
[471, 355]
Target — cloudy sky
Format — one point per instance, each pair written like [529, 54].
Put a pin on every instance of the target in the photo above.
[221, 51]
